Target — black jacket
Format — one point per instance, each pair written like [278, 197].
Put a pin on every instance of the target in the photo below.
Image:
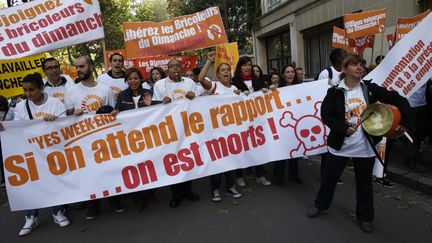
[125, 101]
[240, 84]
[333, 110]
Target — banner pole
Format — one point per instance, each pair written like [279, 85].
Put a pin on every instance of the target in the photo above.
[382, 43]
[373, 47]
[103, 52]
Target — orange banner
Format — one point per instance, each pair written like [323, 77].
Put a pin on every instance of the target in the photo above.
[184, 33]
[360, 43]
[340, 41]
[365, 23]
[405, 25]
[147, 63]
[69, 70]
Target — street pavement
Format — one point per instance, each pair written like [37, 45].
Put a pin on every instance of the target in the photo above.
[263, 214]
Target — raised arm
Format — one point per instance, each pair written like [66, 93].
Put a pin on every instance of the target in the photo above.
[201, 77]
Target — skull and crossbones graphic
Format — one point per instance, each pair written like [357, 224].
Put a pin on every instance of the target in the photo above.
[309, 131]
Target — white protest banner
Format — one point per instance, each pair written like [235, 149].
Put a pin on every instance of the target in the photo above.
[41, 26]
[94, 156]
[408, 65]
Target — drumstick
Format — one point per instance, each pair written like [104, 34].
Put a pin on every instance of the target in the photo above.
[408, 136]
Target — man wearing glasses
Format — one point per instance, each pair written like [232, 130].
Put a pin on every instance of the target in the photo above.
[171, 88]
[56, 84]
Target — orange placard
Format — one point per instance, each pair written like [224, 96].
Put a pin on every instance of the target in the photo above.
[184, 33]
[69, 70]
[365, 23]
[340, 41]
[359, 44]
[405, 25]
[147, 63]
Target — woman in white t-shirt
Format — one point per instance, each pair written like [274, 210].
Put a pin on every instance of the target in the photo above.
[39, 105]
[223, 73]
[340, 111]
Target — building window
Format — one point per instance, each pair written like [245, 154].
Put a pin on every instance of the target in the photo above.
[278, 51]
[318, 45]
[272, 4]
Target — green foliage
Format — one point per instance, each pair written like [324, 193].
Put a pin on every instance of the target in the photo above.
[174, 7]
[151, 10]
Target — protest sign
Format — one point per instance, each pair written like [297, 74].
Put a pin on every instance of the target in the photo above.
[184, 33]
[408, 65]
[69, 70]
[226, 53]
[86, 157]
[359, 44]
[39, 26]
[364, 23]
[13, 71]
[340, 41]
[405, 25]
[146, 64]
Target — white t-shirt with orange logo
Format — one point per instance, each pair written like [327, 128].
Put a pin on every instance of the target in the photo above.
[51, 106]
[175, 90]
[116, 84]
[355, 145]
[89, 99]
[58, 92]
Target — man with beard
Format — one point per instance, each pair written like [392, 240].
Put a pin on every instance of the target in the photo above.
[114, 78]
[55, 83]
[171, 88]
[88, 95]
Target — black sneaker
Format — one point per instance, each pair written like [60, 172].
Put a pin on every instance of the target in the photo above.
[340, 182]
[92, 212]
[234, 193]
[118, 206]
[192, 197]
[384, 182]
[312, 212]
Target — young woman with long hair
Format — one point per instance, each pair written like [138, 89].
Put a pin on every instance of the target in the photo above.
[289, 77]
[246, 82]
[223, 73]
[39, 105]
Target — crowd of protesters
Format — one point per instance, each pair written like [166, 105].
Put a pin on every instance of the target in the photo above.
[122, 89]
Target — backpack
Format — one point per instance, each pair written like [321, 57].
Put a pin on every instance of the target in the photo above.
[330, 73]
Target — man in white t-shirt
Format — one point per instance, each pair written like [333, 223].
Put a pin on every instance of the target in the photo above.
[171, 88]
[332, 73]
[55, 83]
[175, 86]
[114, 78]
[88, 95]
